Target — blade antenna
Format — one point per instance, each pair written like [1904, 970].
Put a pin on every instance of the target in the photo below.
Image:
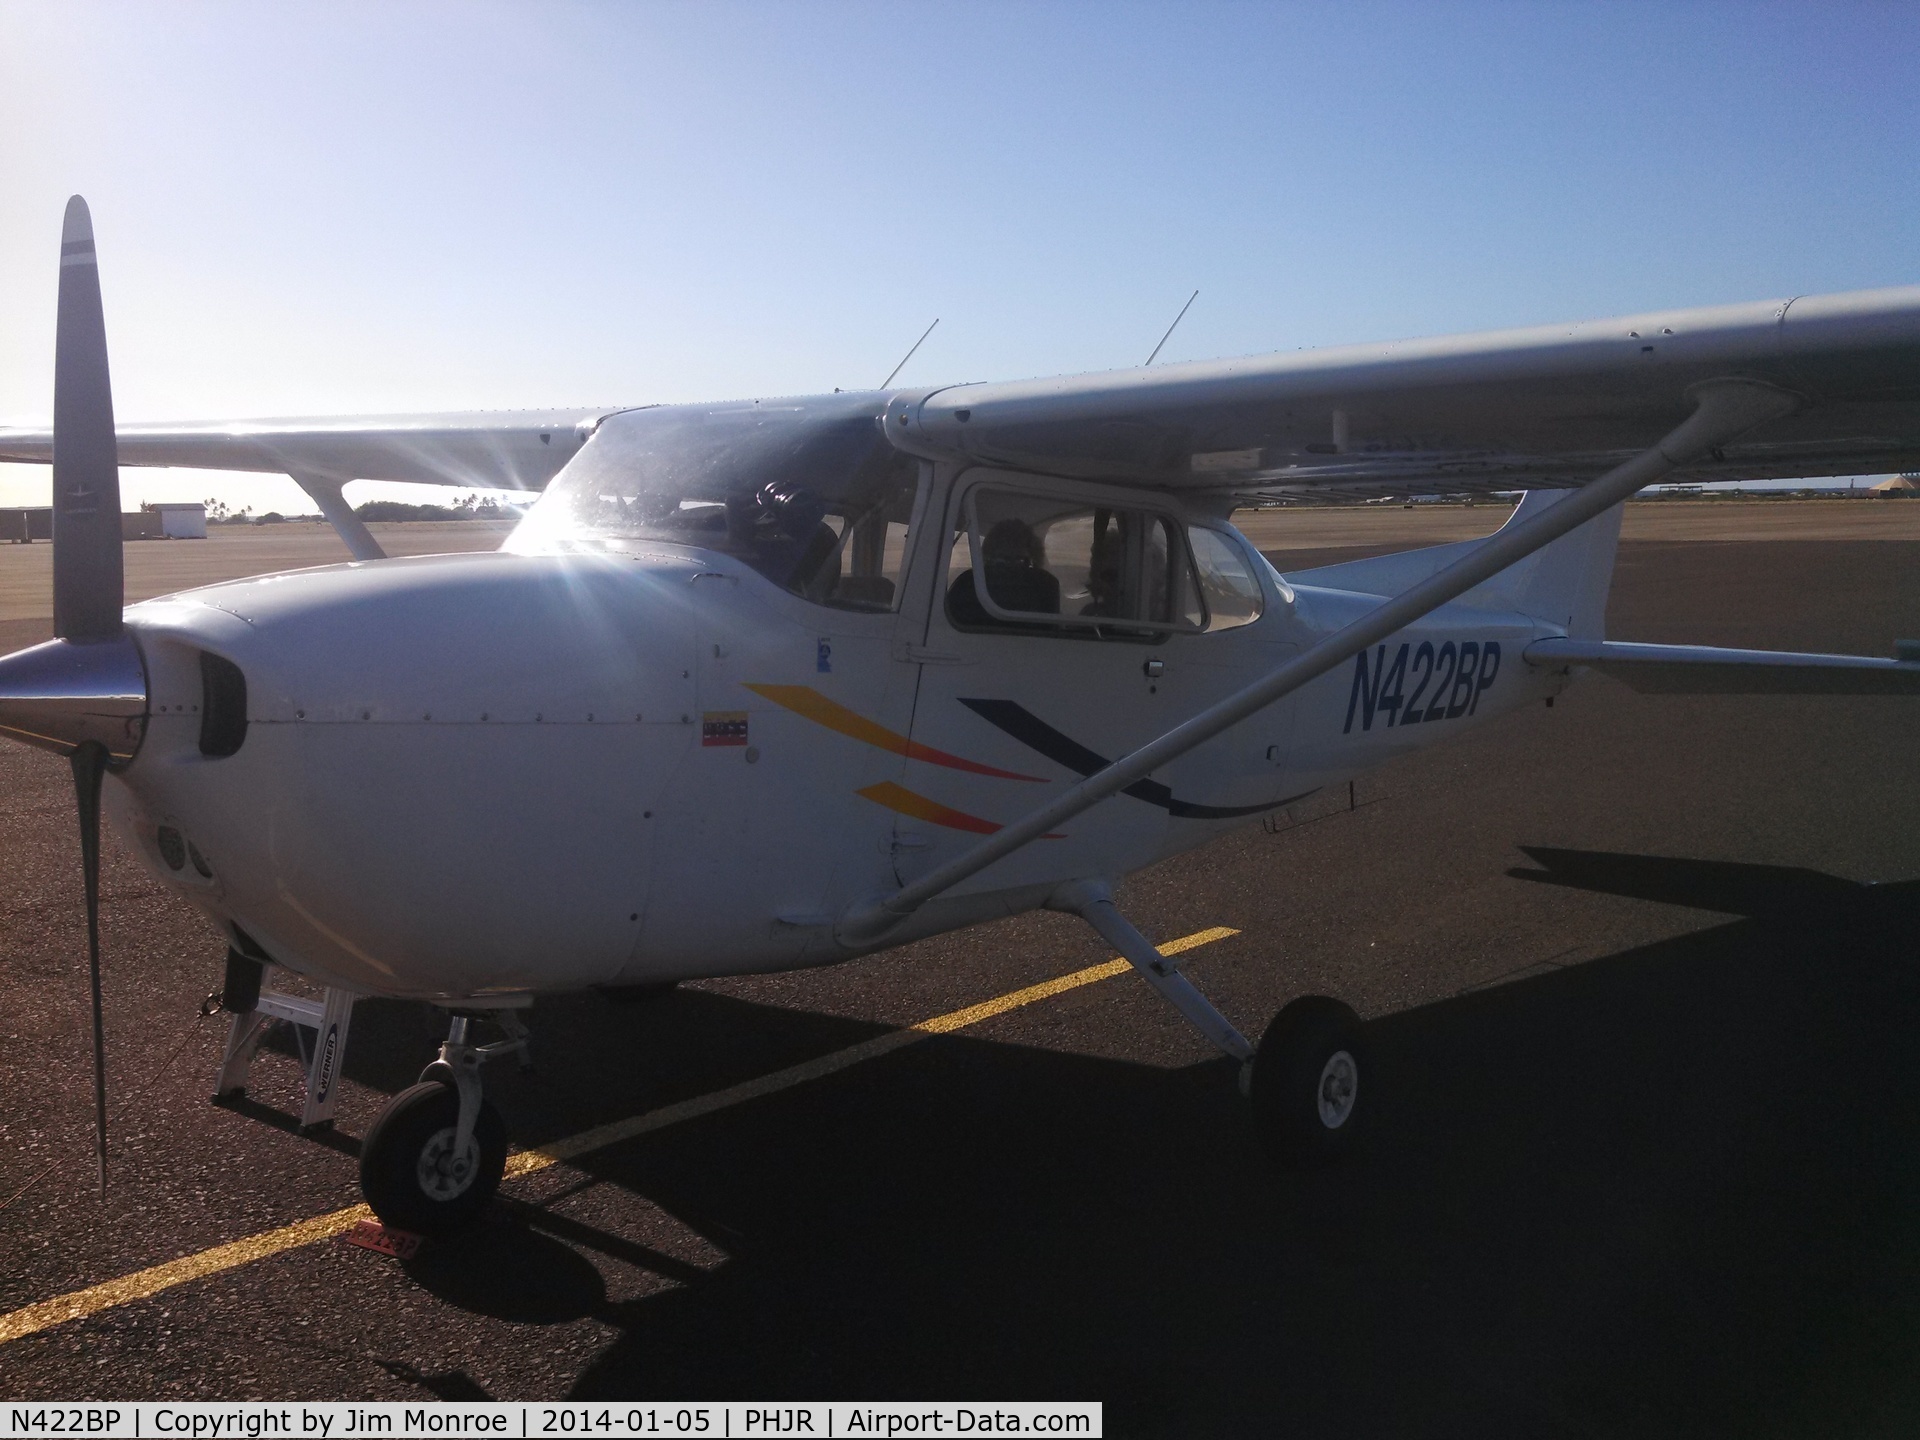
[909, 355]
[89, 764]
[1171, 328]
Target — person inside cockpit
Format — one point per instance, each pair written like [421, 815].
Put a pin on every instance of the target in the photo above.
[781, 526]
[1014, 561]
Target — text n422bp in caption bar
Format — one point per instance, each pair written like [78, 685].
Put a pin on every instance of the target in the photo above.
[397, 1420]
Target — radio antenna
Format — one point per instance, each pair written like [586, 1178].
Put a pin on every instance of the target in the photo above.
[1171, 328]
[909, 355]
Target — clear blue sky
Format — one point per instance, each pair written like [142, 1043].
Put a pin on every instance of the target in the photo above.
[390, 207]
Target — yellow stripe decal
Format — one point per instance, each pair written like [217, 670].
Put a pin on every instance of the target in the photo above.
[810, 704]
[77, 1304]
[905, 802]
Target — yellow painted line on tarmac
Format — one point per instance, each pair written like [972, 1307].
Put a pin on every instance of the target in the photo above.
[30, 1319]
[601, 1136]
[77, 1304]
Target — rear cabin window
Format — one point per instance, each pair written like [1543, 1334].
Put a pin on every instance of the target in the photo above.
[1227, 582]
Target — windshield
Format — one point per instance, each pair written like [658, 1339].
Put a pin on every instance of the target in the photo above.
[807, 492]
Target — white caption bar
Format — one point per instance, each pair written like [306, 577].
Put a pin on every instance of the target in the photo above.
[395, 1420]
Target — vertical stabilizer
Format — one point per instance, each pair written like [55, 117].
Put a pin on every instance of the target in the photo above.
[1566, 583]
[1563, 584]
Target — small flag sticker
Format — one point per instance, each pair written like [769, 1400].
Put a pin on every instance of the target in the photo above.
[723, 727]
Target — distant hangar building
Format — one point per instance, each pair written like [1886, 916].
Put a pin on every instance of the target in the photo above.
[167, 520]
[180, 521]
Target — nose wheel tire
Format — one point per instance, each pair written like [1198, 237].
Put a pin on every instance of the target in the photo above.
[409, 1172]
[1306, 1081]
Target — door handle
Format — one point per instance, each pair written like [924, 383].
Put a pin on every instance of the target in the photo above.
[921, 655]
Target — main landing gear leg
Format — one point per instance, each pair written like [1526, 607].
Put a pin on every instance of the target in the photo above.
[1094, 904]
[1302, 1080]
[435, 1155]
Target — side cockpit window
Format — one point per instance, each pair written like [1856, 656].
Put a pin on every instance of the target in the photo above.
[1034, 564]
[847, 554]
[808, 493]
[875, 548]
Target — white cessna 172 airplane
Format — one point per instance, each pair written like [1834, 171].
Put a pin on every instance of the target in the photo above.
[773, 683]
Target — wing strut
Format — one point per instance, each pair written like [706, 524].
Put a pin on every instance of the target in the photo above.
[1722, 410]
[325, 492]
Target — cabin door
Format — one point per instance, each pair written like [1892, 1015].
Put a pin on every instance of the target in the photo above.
[1043, 661]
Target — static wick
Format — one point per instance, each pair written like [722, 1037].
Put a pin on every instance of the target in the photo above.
[1171, 328]
[909, 355]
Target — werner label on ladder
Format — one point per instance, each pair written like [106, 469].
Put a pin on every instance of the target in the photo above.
[320, 1030]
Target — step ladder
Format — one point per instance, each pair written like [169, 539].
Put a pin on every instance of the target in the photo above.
[320, 1031]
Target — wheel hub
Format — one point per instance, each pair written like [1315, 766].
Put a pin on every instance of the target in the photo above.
[1339, 1087]
[443, 1175]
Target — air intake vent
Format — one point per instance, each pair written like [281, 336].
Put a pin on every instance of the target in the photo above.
[223, 706]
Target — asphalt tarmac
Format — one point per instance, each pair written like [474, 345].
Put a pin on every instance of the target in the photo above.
[1644, 1131]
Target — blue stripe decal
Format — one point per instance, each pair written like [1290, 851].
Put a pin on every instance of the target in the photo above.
[1033, 732]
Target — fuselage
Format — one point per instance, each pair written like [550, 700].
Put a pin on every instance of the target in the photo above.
[553, 767]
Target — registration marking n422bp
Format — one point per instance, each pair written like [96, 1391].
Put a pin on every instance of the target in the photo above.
[1447, 682]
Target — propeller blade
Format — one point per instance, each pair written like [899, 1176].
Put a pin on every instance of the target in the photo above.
[89, 764]
[89, 581]
[89, 586]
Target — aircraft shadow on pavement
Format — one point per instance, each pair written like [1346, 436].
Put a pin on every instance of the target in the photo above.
[1668, 1191]
[1731, 887]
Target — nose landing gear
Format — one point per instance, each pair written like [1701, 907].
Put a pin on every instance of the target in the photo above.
[435, 1155]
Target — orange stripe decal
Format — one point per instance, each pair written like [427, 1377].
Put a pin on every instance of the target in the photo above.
[810, 704]
[902, 800]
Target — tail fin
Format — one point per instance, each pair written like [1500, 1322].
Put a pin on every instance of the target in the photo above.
[1564, 584]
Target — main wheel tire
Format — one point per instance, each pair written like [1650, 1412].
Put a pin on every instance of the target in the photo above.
[1305, 1085]
[408, 1172]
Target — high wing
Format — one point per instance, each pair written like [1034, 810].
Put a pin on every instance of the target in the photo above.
[502, 450]
[1552, 406]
